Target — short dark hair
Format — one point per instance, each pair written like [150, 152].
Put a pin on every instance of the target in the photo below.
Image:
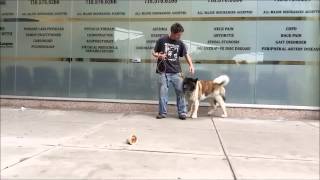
[176, 28]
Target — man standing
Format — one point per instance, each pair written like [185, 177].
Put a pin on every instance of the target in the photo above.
[167, 50]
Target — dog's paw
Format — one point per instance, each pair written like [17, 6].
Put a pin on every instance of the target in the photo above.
[210, 112]
[188, 115]
[194, 116]
[224, 115]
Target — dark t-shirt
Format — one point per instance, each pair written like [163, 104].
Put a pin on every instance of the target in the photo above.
[173, 49]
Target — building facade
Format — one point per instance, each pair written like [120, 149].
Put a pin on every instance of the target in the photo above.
[102, 48]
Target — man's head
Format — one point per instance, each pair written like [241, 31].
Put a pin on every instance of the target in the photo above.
[176, 31]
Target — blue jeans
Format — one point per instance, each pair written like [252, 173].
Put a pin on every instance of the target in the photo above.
[165, 79]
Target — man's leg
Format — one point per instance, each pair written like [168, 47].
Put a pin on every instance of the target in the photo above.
[177, 82]
[163, 95]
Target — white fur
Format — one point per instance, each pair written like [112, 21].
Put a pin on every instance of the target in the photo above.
[223, 80]
[203, 97]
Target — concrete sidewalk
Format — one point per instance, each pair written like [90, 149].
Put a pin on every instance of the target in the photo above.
[54, 144]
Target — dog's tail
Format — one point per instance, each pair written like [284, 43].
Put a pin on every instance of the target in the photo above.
[223, 80]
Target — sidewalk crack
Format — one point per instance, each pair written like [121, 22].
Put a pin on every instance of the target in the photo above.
[223, 149]
[27, 158]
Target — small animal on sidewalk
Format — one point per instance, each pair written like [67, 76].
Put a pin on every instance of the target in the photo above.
[197, 90]
[132, 139]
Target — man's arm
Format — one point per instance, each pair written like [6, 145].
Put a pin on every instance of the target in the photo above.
[155, 54]
[158, 55]
[157, 51]
[189, 61]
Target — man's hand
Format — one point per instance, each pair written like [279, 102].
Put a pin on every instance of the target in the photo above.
[191, 69]
[162, 56]
[189, 61]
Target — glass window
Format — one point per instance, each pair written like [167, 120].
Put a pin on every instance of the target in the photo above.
[102, 49]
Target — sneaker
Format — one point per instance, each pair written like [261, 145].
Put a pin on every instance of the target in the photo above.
[182, 117]
[160, 116]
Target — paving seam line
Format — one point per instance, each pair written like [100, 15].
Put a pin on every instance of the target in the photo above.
[223, 149]
[30, 157]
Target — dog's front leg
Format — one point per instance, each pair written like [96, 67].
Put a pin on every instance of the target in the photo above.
[195, 110]
[190, 108]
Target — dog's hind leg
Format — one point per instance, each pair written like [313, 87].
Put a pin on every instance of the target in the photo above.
[220, 100]
[213, 106]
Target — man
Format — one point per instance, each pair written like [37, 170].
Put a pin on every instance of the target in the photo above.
[167, 50]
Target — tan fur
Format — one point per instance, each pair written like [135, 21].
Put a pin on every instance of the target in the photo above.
[206, 89]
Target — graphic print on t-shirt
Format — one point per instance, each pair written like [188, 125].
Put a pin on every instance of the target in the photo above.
[171, 51]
